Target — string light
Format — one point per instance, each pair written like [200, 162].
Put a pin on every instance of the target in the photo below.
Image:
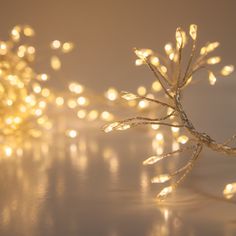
[172, 83]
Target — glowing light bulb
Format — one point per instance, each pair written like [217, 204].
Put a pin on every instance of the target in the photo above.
[164, 192]
[156, 86]
[161, 178]
[71, 133]
[81, 114]
[93, 115]
[82, 101]
[175, 130]
[179, 38]
[56, 44]
[213, 60]
[55, 63]
[212, 78]
[107, 116]
[152, 160]
[59, 101]
[183, 139]
[227, 70]
[154, 60]
[155, 126]
[128, 96]
[193, 31]
[141, 90]
[110, 127]
[168, 48]
[8, 151]
[3, 48]
[159, 137]
[229, 190]
[111, 94]
[67, 47]
[138, 62]
[143, 104]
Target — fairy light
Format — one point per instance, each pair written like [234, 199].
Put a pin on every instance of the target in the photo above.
[59, 101]
[213, 60]
[111, 94]
[168, 48]
[81, 114]
[227, 70]
[107, 116]
[172, 83]
[67, 47]
[93, 115]
[128, 96]
[212, 78]
[193, 31]
[138, 62]
[183, 139]
[164, 192]
[24, 98]
[141, 90]
[179, 38]
[154, 60]
[76, 88]
[156, 86]
[161, 178]
[155, 127]
[55, 63]
[143, 104]
[229, 190]
[56, 44]
[71, 133]
[82, 101]
[8, 151]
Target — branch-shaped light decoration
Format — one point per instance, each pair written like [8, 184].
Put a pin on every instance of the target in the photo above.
[173, 77]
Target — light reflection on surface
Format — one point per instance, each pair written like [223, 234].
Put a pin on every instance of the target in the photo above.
[95, 184]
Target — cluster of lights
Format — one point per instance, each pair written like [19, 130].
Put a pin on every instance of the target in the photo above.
[171, 79]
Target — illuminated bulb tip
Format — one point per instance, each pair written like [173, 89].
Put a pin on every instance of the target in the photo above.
[212, 78]
[154, 60]
[213, 60]
[56, 44]
[55, 63]
[159, 137]
[156, 86]
[227, 70]
[175, 129]
[8, 151]
[111, 94]
[143, 53]
[168, 48]
[152, 160]
[138, 62]
[128, 96]
[141, 90]
[229, 190]
[164, 192]
[110, 127]
[155, 126]
[28, 31]
[107, 116]
[67, 47]
[161, 179]
[193, 31]
[76, 88]
[123, 127]
[71, 133]
[183, 139]
[179, 38]
[143, 104]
